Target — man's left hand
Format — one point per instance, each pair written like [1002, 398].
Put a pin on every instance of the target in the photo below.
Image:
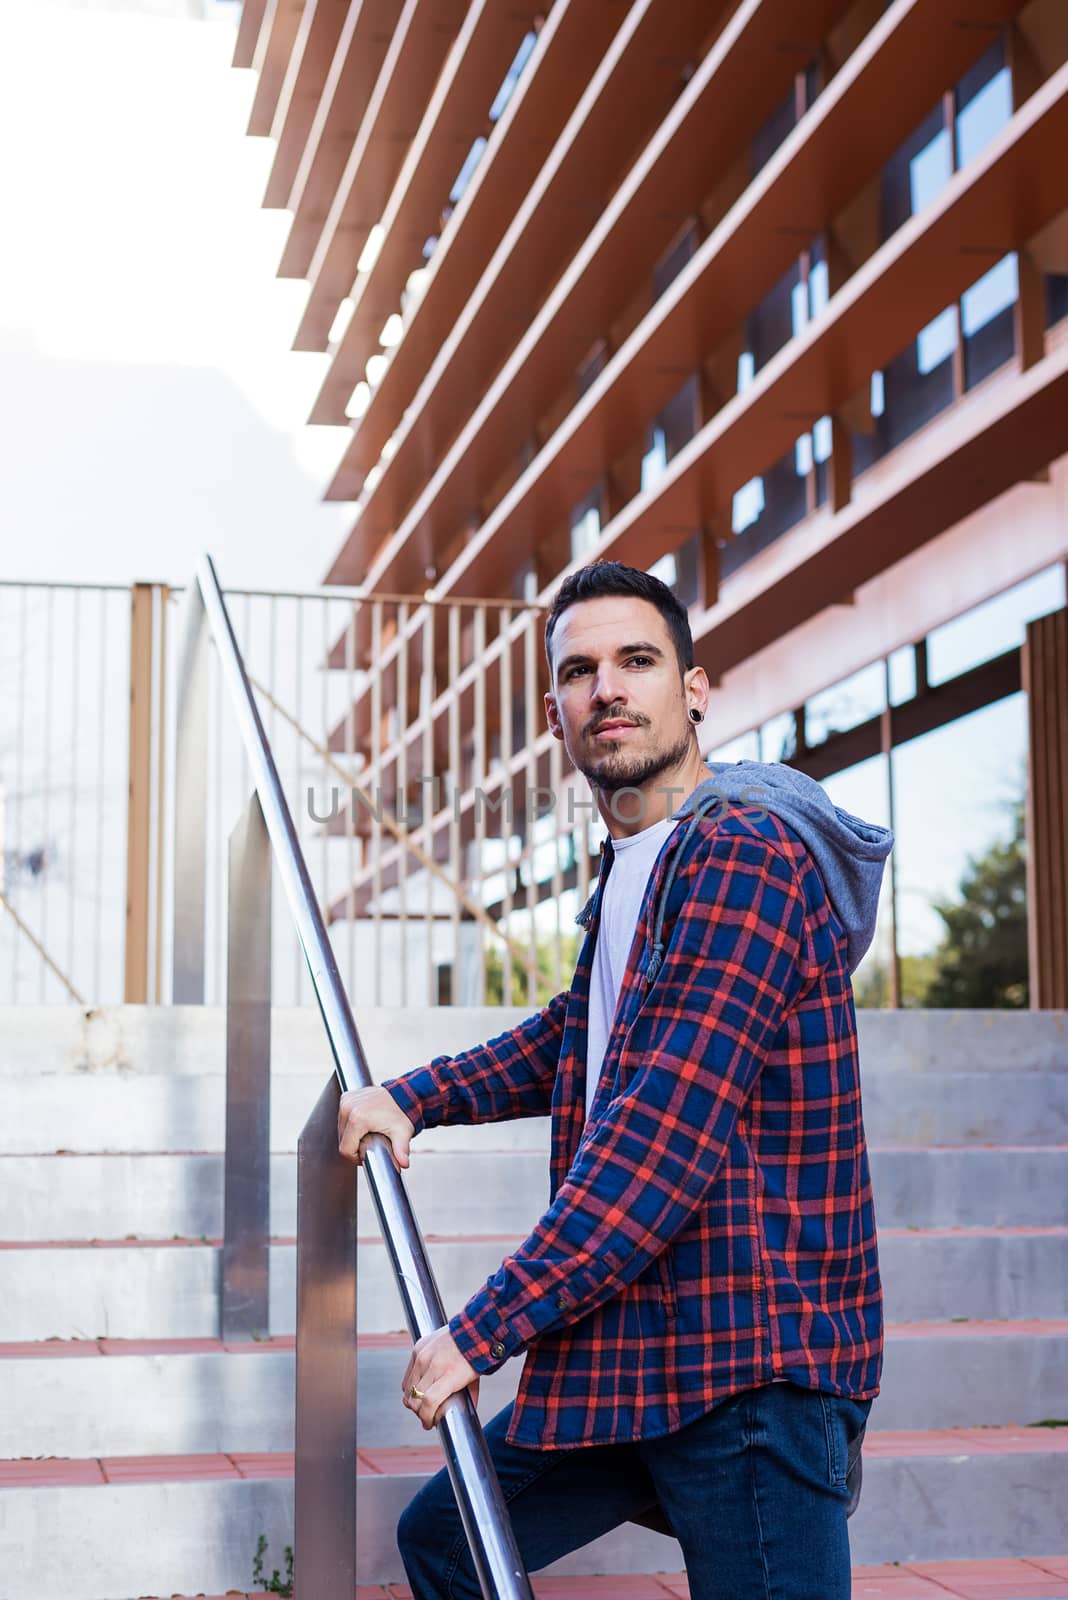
[437, 1370]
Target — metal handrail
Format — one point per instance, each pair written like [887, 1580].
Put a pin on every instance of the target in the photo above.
[478, 1495]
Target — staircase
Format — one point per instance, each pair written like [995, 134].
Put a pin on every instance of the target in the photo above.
[142, 1456]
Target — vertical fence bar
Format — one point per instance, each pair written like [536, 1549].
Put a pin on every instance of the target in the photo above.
[456, 787]
[478, 783]
[46, 780]
[349, 806]
[139, 797]
[75, 731]
[325, 1468]
[190, 805]
[246, 1255]
[886, 740]
[403, 806]
[376, 804]
[98, 883]
[507, 741]
[161, 784]
[429, 789]
[556, 778]
[298, 787]
[530, 690]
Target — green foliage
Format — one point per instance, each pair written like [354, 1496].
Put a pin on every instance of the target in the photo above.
[277, 1584]
[547, 985]
[982, 958]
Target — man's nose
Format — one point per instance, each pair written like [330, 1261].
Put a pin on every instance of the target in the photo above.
[608, 687]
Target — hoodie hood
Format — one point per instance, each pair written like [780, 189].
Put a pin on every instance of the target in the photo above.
[849, 852]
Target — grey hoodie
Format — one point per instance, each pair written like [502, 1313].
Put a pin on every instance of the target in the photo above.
[848, 851]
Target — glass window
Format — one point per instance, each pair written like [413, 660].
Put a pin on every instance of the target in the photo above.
[1056, 297]
[655, 458]
[467, 171]
[512, 76]
[958, 793]
[586, 523]
[672, 263]
[775, 131]
[902, 665]
[845, 705]
[983, 115]
[994, 627]
[863, 791]
[745, 747]
[778, 738]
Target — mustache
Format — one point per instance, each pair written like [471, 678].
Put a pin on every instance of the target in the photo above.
[602, 722]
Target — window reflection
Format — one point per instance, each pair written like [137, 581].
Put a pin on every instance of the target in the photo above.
[846, 705]
[957, 792]
[994, 627]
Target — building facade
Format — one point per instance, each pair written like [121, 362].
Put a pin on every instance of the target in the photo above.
[770, 300]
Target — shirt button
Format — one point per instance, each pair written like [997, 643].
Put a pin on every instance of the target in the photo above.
[497, 1350]
[562, 1301]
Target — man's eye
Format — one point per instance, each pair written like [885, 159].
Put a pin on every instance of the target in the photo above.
[633, 659]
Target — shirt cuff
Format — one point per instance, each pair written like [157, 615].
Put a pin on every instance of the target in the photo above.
[405, 1092]
[483, 1339]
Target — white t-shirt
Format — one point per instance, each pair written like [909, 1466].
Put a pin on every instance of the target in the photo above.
[621, 904]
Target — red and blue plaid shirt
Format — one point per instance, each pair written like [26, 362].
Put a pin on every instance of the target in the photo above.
[710, 1227]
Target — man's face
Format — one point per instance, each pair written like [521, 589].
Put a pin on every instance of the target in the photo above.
[619, 700]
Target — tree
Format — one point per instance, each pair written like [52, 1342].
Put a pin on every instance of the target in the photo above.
[982, 958]
[547, 986]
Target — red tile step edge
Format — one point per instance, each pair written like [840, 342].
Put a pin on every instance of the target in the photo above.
[1037, 1578]
[55, 1471]
[1051, 1327]
[507, 1240]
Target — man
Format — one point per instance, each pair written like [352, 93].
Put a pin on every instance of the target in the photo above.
[700, 1305]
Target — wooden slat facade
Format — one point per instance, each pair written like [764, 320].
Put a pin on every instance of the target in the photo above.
[661, 169]
[1045, 675]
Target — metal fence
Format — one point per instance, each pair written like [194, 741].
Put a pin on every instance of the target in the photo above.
[447, 844]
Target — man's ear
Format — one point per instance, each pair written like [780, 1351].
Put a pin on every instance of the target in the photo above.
[696, 681]
[552, 715]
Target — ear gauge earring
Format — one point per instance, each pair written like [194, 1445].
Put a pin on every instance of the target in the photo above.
[695, 715]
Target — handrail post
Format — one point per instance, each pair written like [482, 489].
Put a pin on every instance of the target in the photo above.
[190, 804]
[481, 1503]
[245, 1297]
[325, 1467]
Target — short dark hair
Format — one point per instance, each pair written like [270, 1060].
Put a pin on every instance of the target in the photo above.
[602, 578]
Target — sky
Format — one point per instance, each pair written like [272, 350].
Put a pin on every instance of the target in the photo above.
[151, 405]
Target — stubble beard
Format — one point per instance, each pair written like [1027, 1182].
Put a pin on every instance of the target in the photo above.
[622, 771]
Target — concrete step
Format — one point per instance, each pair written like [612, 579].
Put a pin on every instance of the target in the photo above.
[483, 1191]
[1041, 1578]
[184, 1397]
[966, 1494]
[170, 1290]
[190, 1040]
[150, 1079]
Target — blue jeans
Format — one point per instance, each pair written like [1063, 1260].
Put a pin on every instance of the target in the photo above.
[755, 1492]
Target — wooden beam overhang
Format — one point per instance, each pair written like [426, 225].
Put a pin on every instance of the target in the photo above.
[424, 35]
[815, 174]
[457, 114]
[358, 57]
[997, 436]
[304, 81]
[994, 206]
[633, 84]
[274, 45]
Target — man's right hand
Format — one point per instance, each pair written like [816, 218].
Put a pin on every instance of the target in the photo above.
[372, 1110]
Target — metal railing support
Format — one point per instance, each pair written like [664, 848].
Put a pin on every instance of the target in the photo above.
[478, 1494]
[191, 804]
[245, 1294]
[325, 1478]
